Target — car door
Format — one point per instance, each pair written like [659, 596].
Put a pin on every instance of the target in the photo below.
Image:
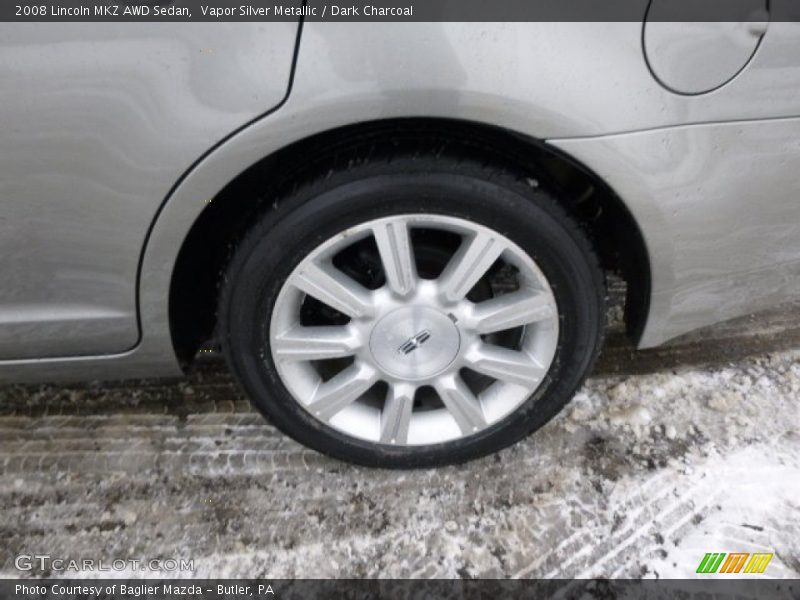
[97, 123]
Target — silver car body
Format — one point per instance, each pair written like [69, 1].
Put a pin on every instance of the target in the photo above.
[115, 138]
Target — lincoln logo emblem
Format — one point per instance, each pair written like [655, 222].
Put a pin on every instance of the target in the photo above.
[415, 342]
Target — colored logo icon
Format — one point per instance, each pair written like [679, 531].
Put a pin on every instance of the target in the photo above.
[734, 562]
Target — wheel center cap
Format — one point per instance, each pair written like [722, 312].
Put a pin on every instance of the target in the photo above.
[414, 342]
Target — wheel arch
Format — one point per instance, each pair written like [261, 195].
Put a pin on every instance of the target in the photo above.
[223, 219]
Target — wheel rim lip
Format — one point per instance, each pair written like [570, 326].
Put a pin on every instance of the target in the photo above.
[427, 427]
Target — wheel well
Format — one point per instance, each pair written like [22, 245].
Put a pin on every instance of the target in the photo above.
[214, 235]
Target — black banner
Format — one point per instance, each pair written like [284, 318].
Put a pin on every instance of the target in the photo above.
[306, 589]
[398, 10]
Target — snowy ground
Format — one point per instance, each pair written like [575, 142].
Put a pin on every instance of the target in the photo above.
[663, 456]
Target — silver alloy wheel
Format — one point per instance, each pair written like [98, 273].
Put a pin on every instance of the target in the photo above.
[413, 334]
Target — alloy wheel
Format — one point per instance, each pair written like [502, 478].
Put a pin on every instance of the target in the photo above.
[397, 352]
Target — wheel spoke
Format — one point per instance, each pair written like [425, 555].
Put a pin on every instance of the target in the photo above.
[315, 343]
[332, 287]
[396, 415]
[471, 262]
[511, 310]
[334, 395]
[397, 255]
[512, 366]
[462, 403]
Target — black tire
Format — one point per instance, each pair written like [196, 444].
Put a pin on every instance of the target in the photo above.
[325, 206]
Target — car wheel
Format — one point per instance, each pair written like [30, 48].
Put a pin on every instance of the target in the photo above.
[413, 311]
